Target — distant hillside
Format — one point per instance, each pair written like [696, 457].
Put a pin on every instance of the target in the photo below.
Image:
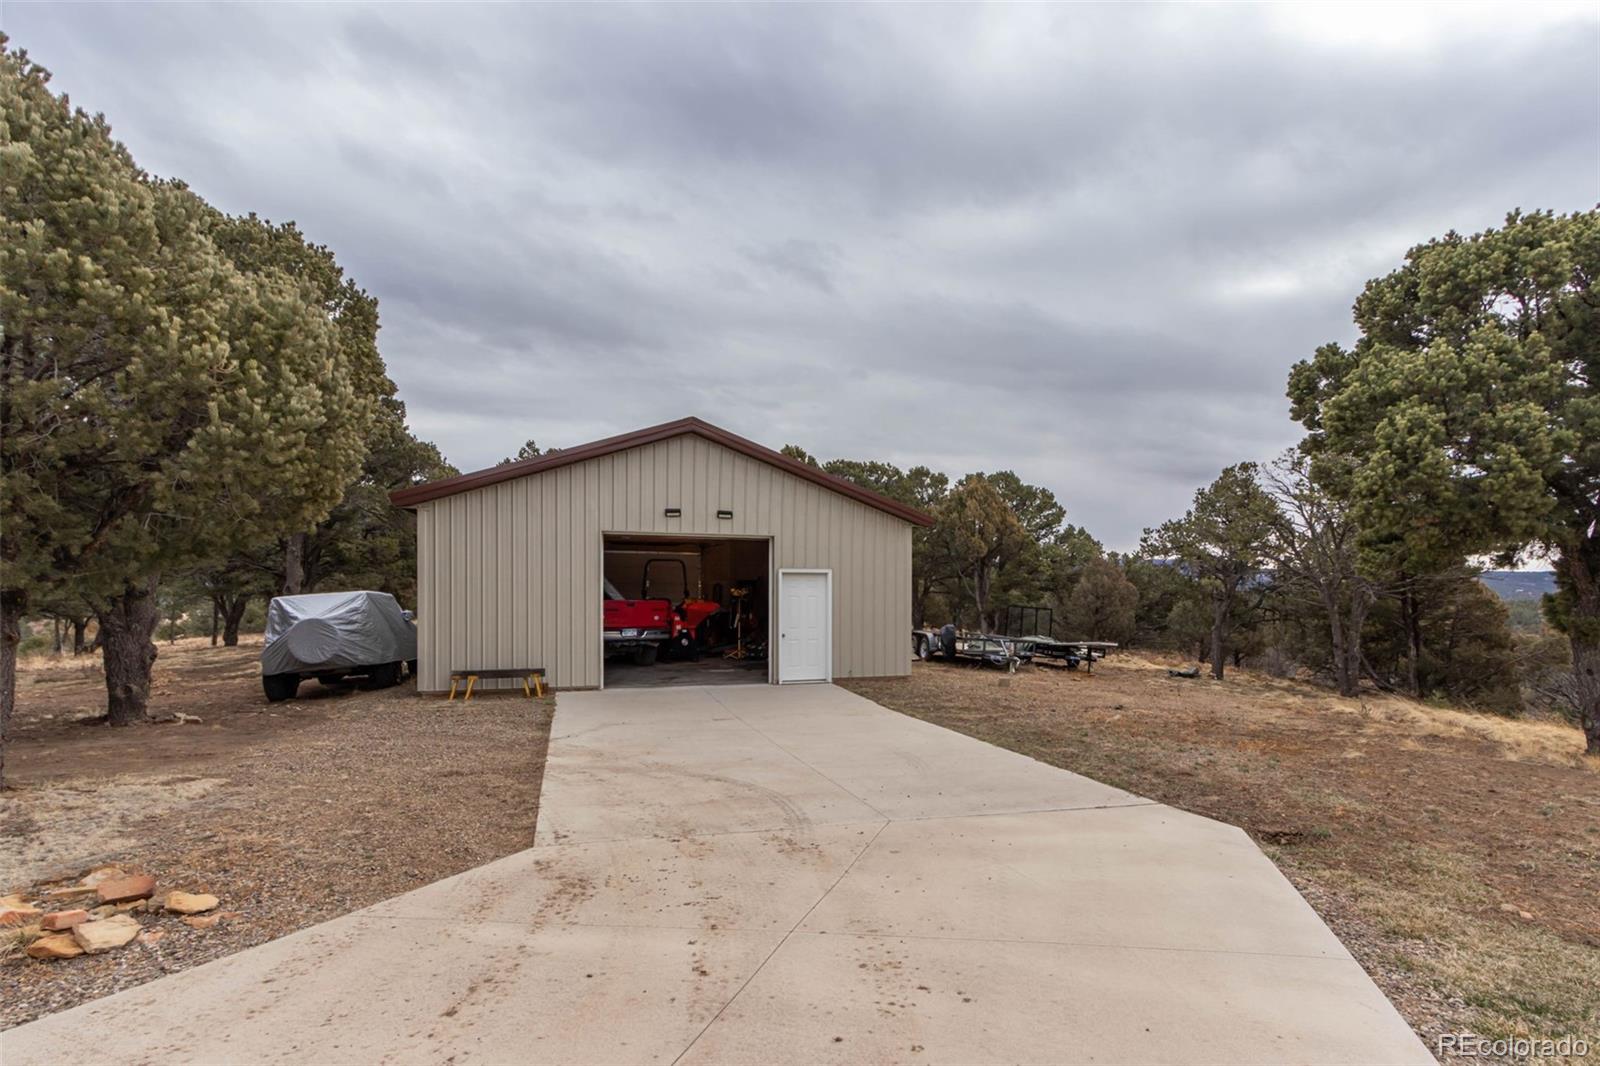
[1519, 584]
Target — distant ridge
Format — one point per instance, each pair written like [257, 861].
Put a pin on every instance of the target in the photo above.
[1519, 584]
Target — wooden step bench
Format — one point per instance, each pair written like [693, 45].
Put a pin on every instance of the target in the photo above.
[527, 675]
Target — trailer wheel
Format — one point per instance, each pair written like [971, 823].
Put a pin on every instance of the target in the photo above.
[684, 646]
[920, 645]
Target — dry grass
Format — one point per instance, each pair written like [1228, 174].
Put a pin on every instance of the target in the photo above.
[1422, 834]
[290, 813]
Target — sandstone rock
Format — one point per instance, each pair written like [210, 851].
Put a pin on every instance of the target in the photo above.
[202, 921]
[63, 920]
[101, 873]
[1525, 916]
[126, 889]
[104, 911]
[150, 936]
[108, 933]
[191, 902]
[21, 914]
[54, 946]
[13, 900]
[69, 892]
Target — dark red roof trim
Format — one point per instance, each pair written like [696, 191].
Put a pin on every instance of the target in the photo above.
[450, 486]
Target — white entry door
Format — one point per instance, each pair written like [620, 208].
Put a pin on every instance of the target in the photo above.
[805, 642]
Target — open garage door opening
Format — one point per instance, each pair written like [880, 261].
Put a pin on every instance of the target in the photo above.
[686, 611]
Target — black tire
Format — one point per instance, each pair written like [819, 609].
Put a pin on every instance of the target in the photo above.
[684, 646]
[280, 687]
[385, 676]
[645, 654]
[921, 648]
[411, 668]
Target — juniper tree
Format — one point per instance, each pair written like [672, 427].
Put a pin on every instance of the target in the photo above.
[1222, 543]
[158, 404]
[1469, 413]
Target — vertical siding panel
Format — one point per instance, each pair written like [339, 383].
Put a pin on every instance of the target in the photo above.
[724, 484]
[428, 631]
[564, 561]
[713, 470]
[659, 500]
[593, 556]
[891, 622]
[674, 474]
[475, 599]
[700, 462]
[460, 601]
[519, 573]
[506, 535]
[637, 472]
[547, 583]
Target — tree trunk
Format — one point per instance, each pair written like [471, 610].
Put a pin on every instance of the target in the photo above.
[12, 602]
[80, 628]
[1341, 660]
[1578, 597]
[232, 614]
[126, 627]
[980, 596]
[1583, 634]
[1411, 617]
[57, 637]
[1350, 681]
[216, 618]
[1219, 626]
[1586, 673]
[294, 564]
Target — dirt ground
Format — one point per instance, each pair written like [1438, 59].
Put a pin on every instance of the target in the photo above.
[1456, 854]
[290, 813]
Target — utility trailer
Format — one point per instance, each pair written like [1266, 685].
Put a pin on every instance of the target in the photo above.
[1068, 653]
[950, 644]
[1034, 628]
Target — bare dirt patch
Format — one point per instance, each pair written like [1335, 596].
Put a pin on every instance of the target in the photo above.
[289, 813]
[1422, 835]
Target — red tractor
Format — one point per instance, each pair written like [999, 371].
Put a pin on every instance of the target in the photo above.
[642, 627]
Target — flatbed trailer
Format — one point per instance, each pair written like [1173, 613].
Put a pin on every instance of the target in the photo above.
[951, 644]
[1034, 628]
[1068, 653]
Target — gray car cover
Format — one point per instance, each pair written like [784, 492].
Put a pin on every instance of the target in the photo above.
[333, 630]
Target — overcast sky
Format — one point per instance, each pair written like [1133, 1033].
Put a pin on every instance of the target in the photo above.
[1084, 243]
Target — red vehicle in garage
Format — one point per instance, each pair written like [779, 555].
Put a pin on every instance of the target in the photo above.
[642, 627]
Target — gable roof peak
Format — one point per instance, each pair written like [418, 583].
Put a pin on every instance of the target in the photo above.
[450, 486]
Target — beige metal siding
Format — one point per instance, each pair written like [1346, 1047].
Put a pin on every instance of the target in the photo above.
[510, 574]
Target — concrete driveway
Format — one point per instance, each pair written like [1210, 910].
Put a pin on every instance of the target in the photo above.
[765, 875]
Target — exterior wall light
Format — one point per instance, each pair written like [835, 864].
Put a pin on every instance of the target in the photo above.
[724, 514]
[674, 512]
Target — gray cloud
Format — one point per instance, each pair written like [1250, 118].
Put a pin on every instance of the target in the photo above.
[1081, 242]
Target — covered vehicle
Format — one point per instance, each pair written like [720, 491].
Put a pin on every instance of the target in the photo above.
[332, 636]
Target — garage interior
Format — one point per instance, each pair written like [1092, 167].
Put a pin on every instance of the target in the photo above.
[720, 600]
